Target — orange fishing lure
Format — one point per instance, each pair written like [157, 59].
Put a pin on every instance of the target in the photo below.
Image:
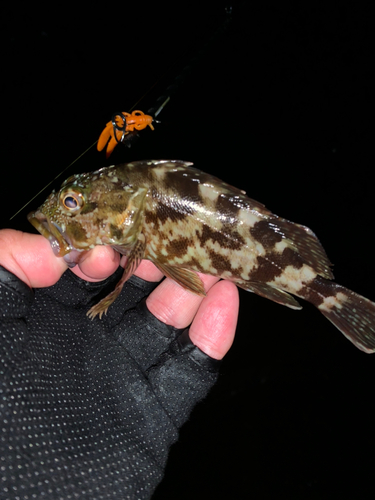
[136, 120]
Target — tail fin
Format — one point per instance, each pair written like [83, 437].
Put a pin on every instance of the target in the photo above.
[351, 313]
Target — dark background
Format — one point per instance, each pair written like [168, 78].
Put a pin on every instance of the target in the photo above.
[280, 104]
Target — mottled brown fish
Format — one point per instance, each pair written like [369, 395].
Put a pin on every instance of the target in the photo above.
[184, 220]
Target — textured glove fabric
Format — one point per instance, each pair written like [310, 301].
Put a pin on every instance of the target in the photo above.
[89, 409]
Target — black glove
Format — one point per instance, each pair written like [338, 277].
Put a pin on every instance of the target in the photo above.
[89, 409]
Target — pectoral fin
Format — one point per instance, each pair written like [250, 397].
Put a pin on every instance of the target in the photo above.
[133, 261]
[187, 279]
[270, 292]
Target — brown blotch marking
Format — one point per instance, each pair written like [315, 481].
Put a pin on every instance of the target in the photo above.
[112, 202]
[118, 207]
[76, 231]
[178, 247]
[166, 212]
[226, 239]
[271, 266]
[318, 289]
[152, 218]
[225, 206]
[222, 263]
[88, 207]
[228, 211]
[184, 185]
[263, 232]
[233, 235]
[115, 232]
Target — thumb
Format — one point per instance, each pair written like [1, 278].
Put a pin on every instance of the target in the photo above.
[30, 258]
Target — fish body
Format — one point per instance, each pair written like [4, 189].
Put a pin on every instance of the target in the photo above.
[186, 221]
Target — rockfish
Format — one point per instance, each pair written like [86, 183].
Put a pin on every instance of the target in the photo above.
[184, 220]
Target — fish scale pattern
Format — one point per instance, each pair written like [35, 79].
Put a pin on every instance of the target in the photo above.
[89, 409]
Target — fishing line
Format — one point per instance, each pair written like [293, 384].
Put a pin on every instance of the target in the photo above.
[53, 180]
[163, 99]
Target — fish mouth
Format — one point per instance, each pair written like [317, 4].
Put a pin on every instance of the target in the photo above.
[57, 237]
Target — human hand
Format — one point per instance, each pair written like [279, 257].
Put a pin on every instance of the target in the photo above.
[101, 395]
[30, 258]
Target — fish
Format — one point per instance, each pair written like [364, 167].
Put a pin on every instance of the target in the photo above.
[186, 222]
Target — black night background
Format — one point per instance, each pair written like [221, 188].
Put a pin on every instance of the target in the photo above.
[280, 103]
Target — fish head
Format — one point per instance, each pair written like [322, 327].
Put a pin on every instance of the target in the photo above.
[97, 208]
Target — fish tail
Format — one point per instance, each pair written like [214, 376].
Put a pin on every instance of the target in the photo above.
[351, 313]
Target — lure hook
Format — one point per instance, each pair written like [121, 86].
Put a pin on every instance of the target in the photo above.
[118, 127]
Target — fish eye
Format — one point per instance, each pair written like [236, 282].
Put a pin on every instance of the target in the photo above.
[72, 201]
